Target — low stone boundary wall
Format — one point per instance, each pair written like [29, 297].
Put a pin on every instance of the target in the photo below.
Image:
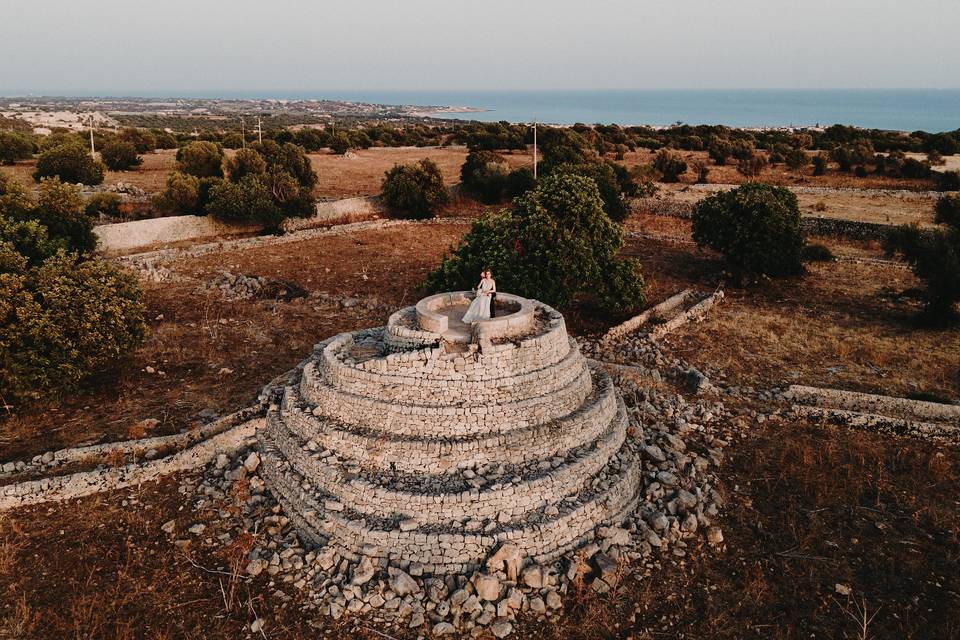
[638, 321]
[868, 402]
[878, 423]
[696, 312]
[138, 235]
[78, 485]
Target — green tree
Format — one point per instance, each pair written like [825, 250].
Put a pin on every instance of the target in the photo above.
[69, 163]
[555, 245]
[61, 209]
[756, 227]
[670, 166]
[934, 256]
[339, 143]
[62, 321]
[947, 210]
[244, 202]
[181, 196]
[796, 158]
[120, 155]
[484, 174]
[414, 190]
[613, 188]
[14, 146]
[719, 150]
[558, 145]
[142, 140]
[246, 162]
[201, 159]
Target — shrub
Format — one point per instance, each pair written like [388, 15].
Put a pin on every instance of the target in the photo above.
[484, 174]
[752, 167]
[719, 150]
[947, 210]
[555, 245]
[756, 227]
[816, 253]
[165, 140]
[414, 190]
[69, 163]
[63, 321]
[820, 164]
[29, 240]
[916, 169]
[246, 201]
[859, 153]
[934, 256]
[14, 146]
[59, 138]
[142, 140]
[339, 143]
[61, 209]
[246, 162]
[120, 155]
[860, 171]
[796, 158]
[201, 159]
[742, 150]
[104, 204]
[669, 165]
[518, 182]
[949, 181]
[559, 145]
[182, 195]
[613, 188]
[703, 171]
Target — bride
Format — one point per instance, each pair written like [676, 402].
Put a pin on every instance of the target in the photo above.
[480, 307]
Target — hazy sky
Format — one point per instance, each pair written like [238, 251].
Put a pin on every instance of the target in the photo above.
[81, 46]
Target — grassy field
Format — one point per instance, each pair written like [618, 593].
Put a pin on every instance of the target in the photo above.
[806, 508]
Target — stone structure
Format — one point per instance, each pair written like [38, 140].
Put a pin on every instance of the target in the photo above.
[427, 444]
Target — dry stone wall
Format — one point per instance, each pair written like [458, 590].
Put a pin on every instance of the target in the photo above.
[395, 444]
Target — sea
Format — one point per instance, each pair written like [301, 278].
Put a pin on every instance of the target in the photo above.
[932, 110]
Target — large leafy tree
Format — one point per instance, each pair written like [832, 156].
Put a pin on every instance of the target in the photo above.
[557, 244]
[414, 190]
[69, 162]
[756, 227]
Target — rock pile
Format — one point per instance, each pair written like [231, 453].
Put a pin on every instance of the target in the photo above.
[244, 287]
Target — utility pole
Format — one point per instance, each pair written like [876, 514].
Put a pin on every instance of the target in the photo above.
[534, 150]
[243, 134]
[92, 150]
[259, 131]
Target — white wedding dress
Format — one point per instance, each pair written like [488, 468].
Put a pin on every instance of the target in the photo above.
[479, 309]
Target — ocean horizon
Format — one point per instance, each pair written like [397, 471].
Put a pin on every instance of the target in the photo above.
[932, 110]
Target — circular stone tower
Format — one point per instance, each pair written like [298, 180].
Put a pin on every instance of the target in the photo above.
[431, 442]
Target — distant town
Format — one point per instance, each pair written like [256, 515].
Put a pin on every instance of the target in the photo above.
[184, 114]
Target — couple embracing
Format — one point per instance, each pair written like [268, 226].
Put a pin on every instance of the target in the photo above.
[482, 306]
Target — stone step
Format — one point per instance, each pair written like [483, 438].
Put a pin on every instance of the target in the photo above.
[452, 549]
[374, 448]
[478, 383]
[438, 499]
[452, 421]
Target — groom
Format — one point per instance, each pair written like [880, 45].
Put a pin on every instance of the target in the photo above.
[493, 296]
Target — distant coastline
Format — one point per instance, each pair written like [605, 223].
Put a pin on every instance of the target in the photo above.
[932, 110]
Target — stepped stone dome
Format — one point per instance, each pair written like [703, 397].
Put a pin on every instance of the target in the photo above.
[429, 442]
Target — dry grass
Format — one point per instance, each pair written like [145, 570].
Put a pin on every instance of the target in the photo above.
[359, 174]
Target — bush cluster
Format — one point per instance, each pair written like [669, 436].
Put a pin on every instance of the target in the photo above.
[556, 244]
[414, 190]
[265, 184]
